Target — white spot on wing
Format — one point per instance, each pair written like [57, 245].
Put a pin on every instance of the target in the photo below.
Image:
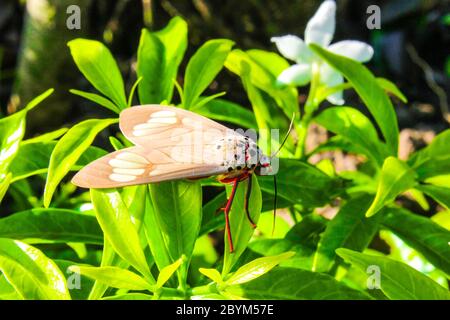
[134, 172]
[129, 156]
[163, 114]
[117, 163]
[122, 177]
[171, 120]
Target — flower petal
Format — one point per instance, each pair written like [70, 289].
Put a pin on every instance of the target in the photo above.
[352, 49]
[292, 47]
[320, 28]
[298, 74]
[330, 77]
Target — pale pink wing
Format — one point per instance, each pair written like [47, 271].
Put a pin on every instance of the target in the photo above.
[138, 165]
[156, 125]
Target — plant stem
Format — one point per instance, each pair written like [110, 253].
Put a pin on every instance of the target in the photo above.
[310, 107]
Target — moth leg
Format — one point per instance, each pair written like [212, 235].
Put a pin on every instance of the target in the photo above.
[226, 211]
[248, 193]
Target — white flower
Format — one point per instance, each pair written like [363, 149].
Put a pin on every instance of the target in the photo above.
[319, 30]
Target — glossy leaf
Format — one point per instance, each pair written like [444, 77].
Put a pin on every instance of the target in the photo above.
[212, 274]
[367, 87]
[295, 284]
[355, 127]
[167, 272]
[79, 286]
[33, 158]
[434, 159]
[178, 211]
[115, 221]
[98, 99]
[97, 64]
[302, 183]
[224, 110]
[422, 234]
[203, 67]
[257, 268]
[398, 280]
[241, 229]
[159, 56]
[30, 272]
[69, 149]
[263, 69]
[440, 194]
[130, 296]
[114, 277]
[4, 185]
[51, 225]
[390, 87]
[46, 137]
[348, 229]
[395, 178]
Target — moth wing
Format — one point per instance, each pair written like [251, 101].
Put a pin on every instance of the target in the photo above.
[156, 125]
[138, 165]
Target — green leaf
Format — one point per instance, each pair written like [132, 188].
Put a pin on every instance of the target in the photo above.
[302, 183]
[69, 149]
[390, 87]
[440, 194]
[46, 137]
[98, 99]
[367, 87]
[114, 277]
[257, 268]
[212, 274]
[12, 130]
[167, 272]
[395, 178]
[130, 296]
[51, 225]
[79, 285]
[241, 229]
[295, 284]
[356, 128]
[422, 234]
[155, 236]
[263, 68]
[159, 56]
[398, 280]
[203, 67]
[434, 159]
[178, 214]
[7, 291]
[30, 272]
[223, 110]
[4, 185]
[33, 158]
[115, 221]
[133, 89]
[349, 229]
[97, 64]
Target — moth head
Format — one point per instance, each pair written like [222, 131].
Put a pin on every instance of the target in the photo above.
[264, 166]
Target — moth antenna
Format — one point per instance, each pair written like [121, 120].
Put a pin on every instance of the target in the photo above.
[291, 125]
[274, 203]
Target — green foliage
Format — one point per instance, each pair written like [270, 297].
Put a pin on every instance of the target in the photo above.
[164, 240]
[399, 281]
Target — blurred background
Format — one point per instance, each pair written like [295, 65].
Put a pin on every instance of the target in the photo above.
[411, 49]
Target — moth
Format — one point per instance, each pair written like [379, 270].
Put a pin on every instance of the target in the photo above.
[172, 143]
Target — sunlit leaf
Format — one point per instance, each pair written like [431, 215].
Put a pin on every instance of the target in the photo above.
[398, 280]
[30, 272]
[97, 64]
[69, 149]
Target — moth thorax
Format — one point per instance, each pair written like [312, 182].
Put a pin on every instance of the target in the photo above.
[238, 152]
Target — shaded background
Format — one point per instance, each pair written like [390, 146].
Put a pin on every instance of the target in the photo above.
[412, 47]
